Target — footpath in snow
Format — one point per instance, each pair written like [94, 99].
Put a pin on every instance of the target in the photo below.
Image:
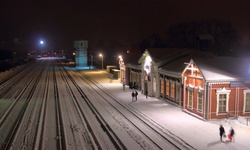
[199, 134]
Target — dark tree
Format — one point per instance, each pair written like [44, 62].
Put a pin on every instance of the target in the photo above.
[5, 54]
[184, 35]
[155, 41]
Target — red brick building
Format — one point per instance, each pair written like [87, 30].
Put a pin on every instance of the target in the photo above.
[217, 87]
[204, 85]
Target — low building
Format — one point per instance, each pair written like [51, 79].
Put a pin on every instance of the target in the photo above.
[202, 84]
[217, 87]
[81, 57]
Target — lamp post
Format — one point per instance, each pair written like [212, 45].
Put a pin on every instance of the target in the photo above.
[122, 71]
[102, 59]
[91, 60]
[41, 44]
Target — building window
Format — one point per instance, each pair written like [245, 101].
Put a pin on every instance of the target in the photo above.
[190, 97]
[222, 103]
[222, 100]
[167, 89]
[177, 92]
[172, 90]
[154, 85]
[162, 87]
[200, 101]
[246, 108]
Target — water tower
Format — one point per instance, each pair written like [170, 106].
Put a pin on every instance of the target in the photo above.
[81, 57]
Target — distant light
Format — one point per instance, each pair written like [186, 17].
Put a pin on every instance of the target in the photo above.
[41, 42]
[100, 55]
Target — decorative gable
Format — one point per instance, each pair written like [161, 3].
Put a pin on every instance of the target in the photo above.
[192, 70]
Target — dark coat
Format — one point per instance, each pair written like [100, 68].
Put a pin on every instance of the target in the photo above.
[222, 130]
[232, 132]
[133, 94]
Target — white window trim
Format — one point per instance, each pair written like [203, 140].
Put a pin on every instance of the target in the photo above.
[167, 80]
[200, 91]
[162, 79]
[223, 90]
[172, 82]
[244, 106]
[190, 87]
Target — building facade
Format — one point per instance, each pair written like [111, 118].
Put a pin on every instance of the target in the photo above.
[200, 83]
[81, 56]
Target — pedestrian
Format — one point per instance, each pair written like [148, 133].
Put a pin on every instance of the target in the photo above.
[146, 93]
[222, 132]
[136, 95]
[231, 134]
[133, 95]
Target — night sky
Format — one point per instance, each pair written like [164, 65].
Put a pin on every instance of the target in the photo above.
[119, 24]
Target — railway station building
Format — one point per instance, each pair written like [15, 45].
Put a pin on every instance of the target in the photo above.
[202, 84]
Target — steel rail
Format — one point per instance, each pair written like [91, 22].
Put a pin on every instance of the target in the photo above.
[113, 137]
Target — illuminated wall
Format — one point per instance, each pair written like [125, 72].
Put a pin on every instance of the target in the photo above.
[81, 57]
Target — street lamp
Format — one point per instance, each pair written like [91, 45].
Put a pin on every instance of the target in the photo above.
[102, 59]
[41, 44]
[122, 71]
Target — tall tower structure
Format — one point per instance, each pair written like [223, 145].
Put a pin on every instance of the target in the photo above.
[81, 57]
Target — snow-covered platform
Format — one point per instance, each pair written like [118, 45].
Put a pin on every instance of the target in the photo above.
[199, 134]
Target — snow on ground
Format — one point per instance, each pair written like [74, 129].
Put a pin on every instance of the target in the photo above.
[198, 133]
[4, 75]
[202, 135]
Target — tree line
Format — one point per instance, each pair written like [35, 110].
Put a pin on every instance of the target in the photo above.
[184, 35]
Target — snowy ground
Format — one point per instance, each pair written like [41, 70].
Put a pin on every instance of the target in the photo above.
[198, 133]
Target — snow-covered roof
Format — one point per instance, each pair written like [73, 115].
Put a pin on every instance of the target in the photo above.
[177, 65]
[162, 56]
[224, 68]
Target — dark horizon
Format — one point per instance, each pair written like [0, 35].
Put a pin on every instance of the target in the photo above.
[109, 24]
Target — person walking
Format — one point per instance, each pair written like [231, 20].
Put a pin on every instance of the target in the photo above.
[222, 132]
[136, 95]
[146, 93]
[133, 95]
[231, 134]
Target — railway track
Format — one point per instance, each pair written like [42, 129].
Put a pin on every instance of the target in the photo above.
[50, 133]
[153, 132]
[12, 118]
[92, 127]
[7, 92]
[61, 108]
